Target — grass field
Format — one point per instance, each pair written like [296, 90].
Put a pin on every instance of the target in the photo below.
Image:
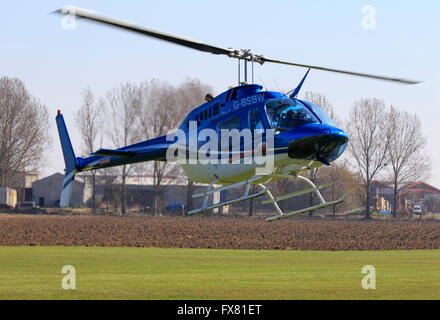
[154, 273]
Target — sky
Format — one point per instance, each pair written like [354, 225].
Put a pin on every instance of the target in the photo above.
[57, 64]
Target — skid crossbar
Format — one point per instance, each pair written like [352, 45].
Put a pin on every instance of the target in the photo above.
[246, 196]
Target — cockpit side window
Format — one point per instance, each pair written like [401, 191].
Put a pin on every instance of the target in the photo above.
[286, 114]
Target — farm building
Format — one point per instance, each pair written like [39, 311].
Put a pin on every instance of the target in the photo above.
[416, 193]
[46, 192]
[139, 191]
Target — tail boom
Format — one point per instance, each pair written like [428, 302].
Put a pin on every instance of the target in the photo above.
[150, 150]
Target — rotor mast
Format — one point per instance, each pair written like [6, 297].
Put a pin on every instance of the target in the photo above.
[246, 56]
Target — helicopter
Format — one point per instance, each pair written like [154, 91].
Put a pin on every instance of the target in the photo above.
[279, 135]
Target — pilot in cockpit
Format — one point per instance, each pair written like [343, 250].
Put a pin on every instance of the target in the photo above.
[291, 120]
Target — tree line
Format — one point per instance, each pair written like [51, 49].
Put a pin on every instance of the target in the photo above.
[24, 130]
[131, 113]
[385, 142]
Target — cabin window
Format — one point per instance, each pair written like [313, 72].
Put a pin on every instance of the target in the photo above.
[216, 109]
[205, 114]
[210, 112]
[231, 123]
[227, 96]
[234, 95]
[255, 120]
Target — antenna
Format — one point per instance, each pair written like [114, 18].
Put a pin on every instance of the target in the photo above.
[262, 82]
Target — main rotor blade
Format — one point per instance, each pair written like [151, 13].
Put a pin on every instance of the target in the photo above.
[399, 80]
[238, 54]
[92, 16]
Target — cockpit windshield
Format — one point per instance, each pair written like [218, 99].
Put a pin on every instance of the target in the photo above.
[285, 114]
[320, 113]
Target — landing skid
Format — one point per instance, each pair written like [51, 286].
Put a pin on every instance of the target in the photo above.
[318, 206]
[265, 191]
[210, 191]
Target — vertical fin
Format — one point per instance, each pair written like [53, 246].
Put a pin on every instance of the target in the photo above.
[296, 91]
[69, 159]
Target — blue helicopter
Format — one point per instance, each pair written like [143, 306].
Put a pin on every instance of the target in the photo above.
[287, 135]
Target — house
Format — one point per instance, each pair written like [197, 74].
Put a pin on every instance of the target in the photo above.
[381, 195]
[416, 194]
[22, 182]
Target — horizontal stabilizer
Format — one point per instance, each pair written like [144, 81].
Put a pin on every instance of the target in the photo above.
[114, 153]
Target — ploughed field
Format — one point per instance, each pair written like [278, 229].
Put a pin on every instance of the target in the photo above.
[219, 233]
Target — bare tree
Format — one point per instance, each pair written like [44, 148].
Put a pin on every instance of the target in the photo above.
[368, 141]
[321, 101]
[23, 130]
[140, 170]
[191, 94]
[107, 179]
[123, 124]
[189, 193]
[343, 181]
[88, 123]
[408, 159]
[164, 109]
[158, 117]
[432, 203]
